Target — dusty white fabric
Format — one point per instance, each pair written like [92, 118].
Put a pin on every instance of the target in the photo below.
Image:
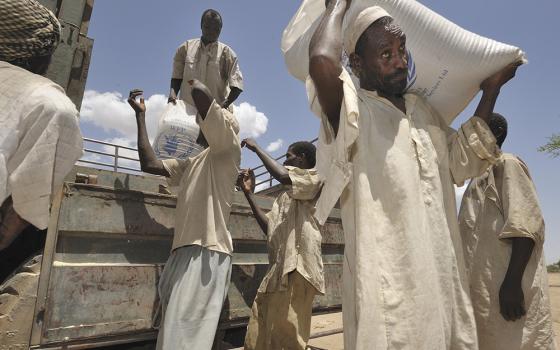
[405, 285]
[40, 141]
[500, 204]
[294, 239]
[192, 289]
[207, 182]
[215, 65]
[357, 26]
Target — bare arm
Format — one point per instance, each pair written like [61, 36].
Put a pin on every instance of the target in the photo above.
[325, 51]
[11, 224]
[174, 90]
[491, 89]
[202, 97]
[512, 299]
[233, 95]
[246, 181]
[149, 163]
[278, 171]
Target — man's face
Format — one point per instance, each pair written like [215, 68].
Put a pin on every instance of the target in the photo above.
[292, 159]
[211, 27]
[383, 63]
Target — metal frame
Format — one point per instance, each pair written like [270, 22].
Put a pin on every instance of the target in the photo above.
[116, 156]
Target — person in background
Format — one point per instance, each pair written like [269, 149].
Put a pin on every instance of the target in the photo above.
[211, 62]
[40, 138]
[281, 313]
[502, 228]
[195, 281]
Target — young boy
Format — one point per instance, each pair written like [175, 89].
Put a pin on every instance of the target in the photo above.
[281, 313]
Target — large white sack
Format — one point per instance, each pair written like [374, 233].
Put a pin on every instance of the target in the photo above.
[447, 63]
[177, 132]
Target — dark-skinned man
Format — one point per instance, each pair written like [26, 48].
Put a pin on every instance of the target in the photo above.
[393, 163]
[195, 280]
[502, 228]
[209, 61]
[281, 313]
[40, 137]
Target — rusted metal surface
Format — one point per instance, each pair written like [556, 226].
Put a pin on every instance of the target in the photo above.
[109, 248]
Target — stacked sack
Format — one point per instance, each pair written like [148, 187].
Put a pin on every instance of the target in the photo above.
[177, 132]
[446, 62]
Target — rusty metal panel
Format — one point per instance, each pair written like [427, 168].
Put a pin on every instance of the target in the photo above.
[111, 246]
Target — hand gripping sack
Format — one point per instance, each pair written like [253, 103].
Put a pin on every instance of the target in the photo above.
[177, 132]
[446, 62]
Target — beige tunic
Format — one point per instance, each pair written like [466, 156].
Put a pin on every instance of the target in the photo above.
[207, 183]
[294, 240]
[405, 285]
[502, 203]
[214, 64]
[40, 140]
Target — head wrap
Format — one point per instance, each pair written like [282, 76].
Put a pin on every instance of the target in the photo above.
[358, 25]
[27, 29]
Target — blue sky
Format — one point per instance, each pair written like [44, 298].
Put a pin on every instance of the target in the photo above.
[135, 42]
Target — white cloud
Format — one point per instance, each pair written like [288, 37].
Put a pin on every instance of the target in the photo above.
[252, 123]
[111, 112]
[275, 145]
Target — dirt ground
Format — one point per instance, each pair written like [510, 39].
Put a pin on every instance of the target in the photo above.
[328, 322]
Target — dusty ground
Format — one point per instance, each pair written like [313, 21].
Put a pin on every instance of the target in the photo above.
[333, 321]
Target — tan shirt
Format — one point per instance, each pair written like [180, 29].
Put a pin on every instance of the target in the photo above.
[207, 183]
[40, 141]
[294, 239]
[404, 279]
[215, 65]
[500, 204]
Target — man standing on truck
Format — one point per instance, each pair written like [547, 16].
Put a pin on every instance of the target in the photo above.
[195, 280]
[40, 138]
[281, 312]
[209, 61]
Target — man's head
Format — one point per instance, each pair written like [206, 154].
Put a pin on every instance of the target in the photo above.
[29, 34]
[499, 127]
[377, 52]
[301, 155]
[211, 25]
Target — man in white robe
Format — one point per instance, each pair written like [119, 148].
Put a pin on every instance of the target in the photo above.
[502, 228]
[393, 162]
[40, 138]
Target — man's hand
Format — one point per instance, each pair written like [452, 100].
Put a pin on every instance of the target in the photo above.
[139, 107]
[172, 99]
[250, 144]
[246, 180]
[497, 80]
[512, 300]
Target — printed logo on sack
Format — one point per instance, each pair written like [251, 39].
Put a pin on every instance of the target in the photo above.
[171, 144]
[411, 78]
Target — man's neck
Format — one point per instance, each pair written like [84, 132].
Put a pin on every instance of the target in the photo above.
[396, 100]
[206, 42]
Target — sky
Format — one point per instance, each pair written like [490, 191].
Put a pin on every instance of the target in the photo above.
[135, 41]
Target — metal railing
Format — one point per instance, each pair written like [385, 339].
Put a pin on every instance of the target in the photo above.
[116, 155]
[260, 178]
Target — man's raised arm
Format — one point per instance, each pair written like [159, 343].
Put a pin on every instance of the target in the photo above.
[325, 52]
[149, 163]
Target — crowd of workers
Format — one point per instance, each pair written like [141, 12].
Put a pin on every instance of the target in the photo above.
[415, 275]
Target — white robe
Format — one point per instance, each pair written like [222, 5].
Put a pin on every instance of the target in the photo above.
[40, 141]
[404, 278]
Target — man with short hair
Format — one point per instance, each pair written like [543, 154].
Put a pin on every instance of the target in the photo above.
[502, 228]
[393, 162]
[281, 312]
[194, 283]
[209, 61]
[40, 138]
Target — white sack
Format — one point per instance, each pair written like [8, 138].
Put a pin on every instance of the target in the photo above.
[177, 132]
[447, 63]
